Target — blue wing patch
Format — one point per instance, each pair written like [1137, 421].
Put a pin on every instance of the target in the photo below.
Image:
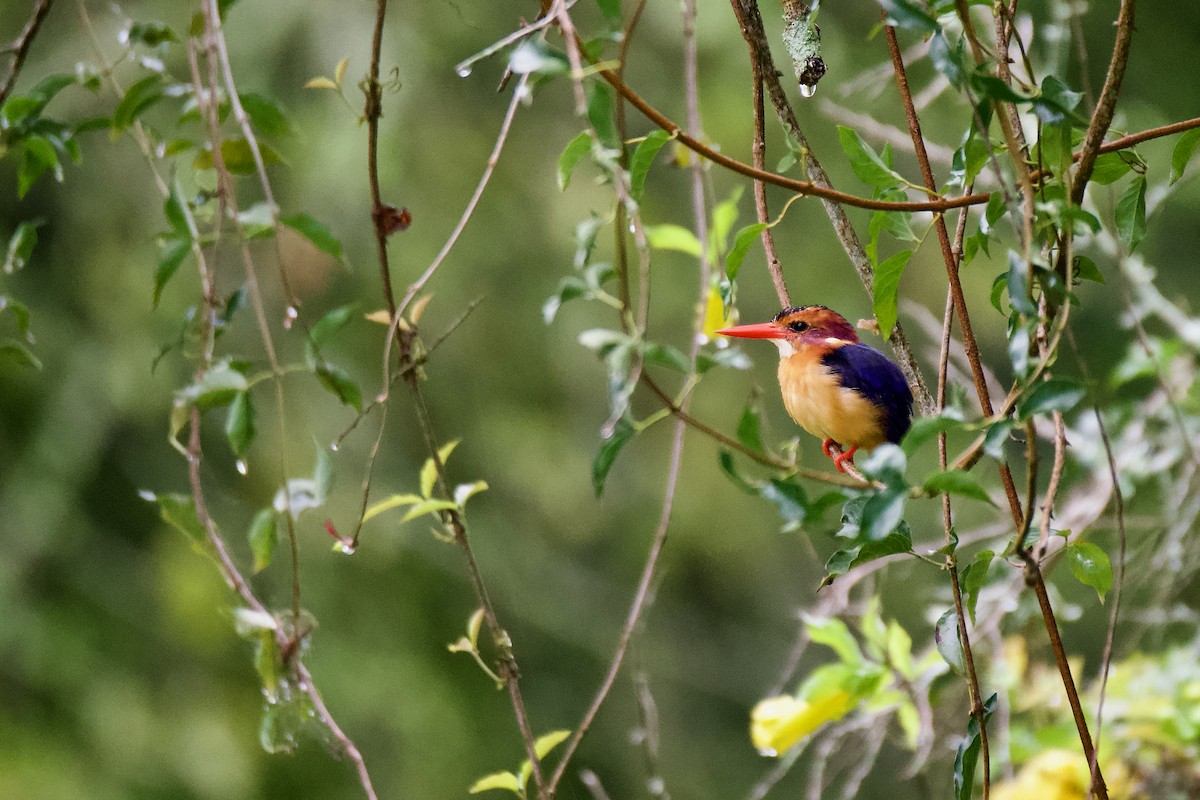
[871, 374]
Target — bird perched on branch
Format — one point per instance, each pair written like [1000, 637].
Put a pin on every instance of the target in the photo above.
[835, 387]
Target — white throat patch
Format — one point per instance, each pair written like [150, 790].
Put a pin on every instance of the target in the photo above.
[785, 347]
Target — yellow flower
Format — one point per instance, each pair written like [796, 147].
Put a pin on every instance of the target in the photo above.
[779, 723]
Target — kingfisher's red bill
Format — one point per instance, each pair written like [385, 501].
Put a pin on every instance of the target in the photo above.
[834, 386]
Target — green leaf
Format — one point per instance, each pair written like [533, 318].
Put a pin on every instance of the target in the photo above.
[239, 424]
[723, 217]
[834, 634]
[1051, 395]
[1091, 567]
[395, 501]
[610, 8]
[325, 329]
[642, 159]
[1131, 213]
[179, 511]
[547, 742]
[339, 383]
[1111, 166]
[673, 237]
[138, 98]
[534, 57]
[910, 15]
[217, 387]
[572, 154]
[925, 429]
[171, 254]
[257, 221]
[1055, 102]
[949, 643]
[21, 244]
[465, 491]
[741, 245]
[610, 448]
[37, 156]
[973, 578]
[317, 234]
[150, 34]
[868, 166]
[749, 429]
[262, 537]
[956, 481]
[951, 62]
[11, 348]
[1086, 270]
[431, 506]
[600, 108]
[843, 561]
[1182, 154]
[265, 114]
[665, 355]
[886, 285]
[497, 780]
[237, 156]
[1018, 285]
[968, 754]
[789, 498]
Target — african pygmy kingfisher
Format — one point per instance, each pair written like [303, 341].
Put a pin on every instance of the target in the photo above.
[834, 386]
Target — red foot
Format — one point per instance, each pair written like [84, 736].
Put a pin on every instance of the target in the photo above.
[825, 445]
[840, 461]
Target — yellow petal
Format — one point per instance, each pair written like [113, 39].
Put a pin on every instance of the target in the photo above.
[779, 723]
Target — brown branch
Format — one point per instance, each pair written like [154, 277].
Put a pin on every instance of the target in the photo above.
[750, 21]
[1107, 104]
[20, 46]
[759, 149]
[956, 304]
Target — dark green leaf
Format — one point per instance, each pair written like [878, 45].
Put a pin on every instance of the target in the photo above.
[1051, 395]
[844, 560]
[1055, 102]
[996, 437]
[886, 285]
[262, 537]
[150, 34]
[237, 156]
[1018, 285]
[910, 15]
[973, 578]
[600, 109]
[1086, 270]
[1131, 213]
[21, 244]
[171, 253]
[571, 155]
[956, 481]
[642, 159]
[610, 8]
[20, 313]
[867, 164]
[992, 88]
[789, 498]
[339, 383]
[1109, 167]
[1091, 567]
[883, 512]
[951, 62]
[665, 355]
[138, 98]
[725, 459]
[327, 327]
[37, 156]
[240, 424]
[949, 643]
[265, 114]
[316, 233]
[609, 449]
[926, 428]
[1182, 153]
[968, 754]
[217, 387]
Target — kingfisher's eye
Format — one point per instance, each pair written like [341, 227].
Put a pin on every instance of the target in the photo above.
[798, 327]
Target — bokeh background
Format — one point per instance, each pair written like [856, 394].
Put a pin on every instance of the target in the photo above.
[120, 673]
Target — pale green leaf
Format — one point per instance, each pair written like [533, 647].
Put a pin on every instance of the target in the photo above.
[395, 501]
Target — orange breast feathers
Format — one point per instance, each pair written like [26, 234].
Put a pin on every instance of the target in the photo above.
[815, 399]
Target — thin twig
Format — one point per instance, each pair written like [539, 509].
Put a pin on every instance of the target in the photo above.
[20, 46]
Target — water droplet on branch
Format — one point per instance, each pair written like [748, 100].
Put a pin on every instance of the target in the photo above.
[807, 90]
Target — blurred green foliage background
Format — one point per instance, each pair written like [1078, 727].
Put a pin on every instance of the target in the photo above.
[120, 673]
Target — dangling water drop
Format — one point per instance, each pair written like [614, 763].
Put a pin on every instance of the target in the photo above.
[289, 316]
[807, 90]
[344, 547]
[334, 445]
[463, 70]
[241, 467]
